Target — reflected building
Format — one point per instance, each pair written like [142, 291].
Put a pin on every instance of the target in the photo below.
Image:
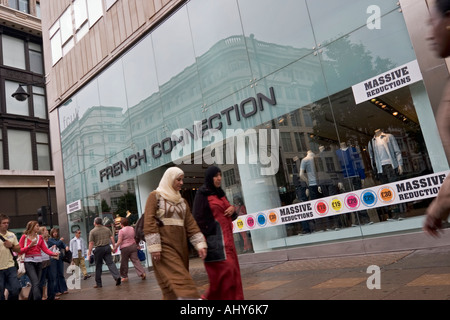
[118, 130]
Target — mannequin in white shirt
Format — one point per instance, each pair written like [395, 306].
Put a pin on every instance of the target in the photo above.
[386, 155]
[385, 151]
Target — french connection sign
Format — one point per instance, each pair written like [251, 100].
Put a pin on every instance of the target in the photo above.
[206, 138]
[420, 188]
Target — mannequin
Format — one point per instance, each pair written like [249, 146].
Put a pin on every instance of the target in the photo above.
[301, 186]
[353, 170]
[351, 163]
[302, 194]
[308, 169]
[386, 156]
[330, 185]
[308, 174]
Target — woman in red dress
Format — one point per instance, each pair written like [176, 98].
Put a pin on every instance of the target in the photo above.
[214, 215]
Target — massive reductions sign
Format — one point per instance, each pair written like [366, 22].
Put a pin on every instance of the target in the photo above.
[387, 82]
[420, 188]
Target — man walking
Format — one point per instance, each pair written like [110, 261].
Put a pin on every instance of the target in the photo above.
[78, 248]
[8, 272]
[100, 238]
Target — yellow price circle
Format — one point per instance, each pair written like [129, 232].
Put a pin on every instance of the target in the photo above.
[336, 204]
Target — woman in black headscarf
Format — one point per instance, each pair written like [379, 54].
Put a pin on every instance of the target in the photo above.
[214, 215]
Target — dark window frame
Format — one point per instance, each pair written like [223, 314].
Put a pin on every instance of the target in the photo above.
[10, 121]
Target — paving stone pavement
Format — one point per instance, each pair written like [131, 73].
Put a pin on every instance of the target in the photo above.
[407, 275]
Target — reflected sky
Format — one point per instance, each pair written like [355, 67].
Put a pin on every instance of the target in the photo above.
[173, 47]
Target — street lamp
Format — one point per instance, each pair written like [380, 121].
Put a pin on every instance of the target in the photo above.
[20, 94]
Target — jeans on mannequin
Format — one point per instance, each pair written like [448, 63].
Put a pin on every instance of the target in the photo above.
[390, 175]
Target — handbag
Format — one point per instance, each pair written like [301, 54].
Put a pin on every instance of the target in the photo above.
[141, 255]
[21, 262]
[21, 265]
[67, 256]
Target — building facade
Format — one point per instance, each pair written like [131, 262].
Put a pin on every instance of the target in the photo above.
[320, 114]
[26, 171]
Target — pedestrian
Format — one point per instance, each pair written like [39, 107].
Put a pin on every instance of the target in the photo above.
[438, 211]
[31, 245]
[46, 283]
[57, 265]
[8, 271]
[168, 223]
[128, 249]
[78, 247]
[101, 239]
[214, 215]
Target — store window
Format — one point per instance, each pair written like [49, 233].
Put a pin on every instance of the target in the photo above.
[343, 163]
[260, 67]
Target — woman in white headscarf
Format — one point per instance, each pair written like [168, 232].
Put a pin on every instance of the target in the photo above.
[168, 223]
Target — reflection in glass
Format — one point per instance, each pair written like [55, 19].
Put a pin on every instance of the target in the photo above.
[282, 34]
[304, 56]
[359, 55]
[219, 47]
[111, 204]
[173, 46]
[333, 19]
[140, 78]
[115, 126]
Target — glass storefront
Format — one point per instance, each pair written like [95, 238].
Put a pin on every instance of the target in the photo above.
[259, 67]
